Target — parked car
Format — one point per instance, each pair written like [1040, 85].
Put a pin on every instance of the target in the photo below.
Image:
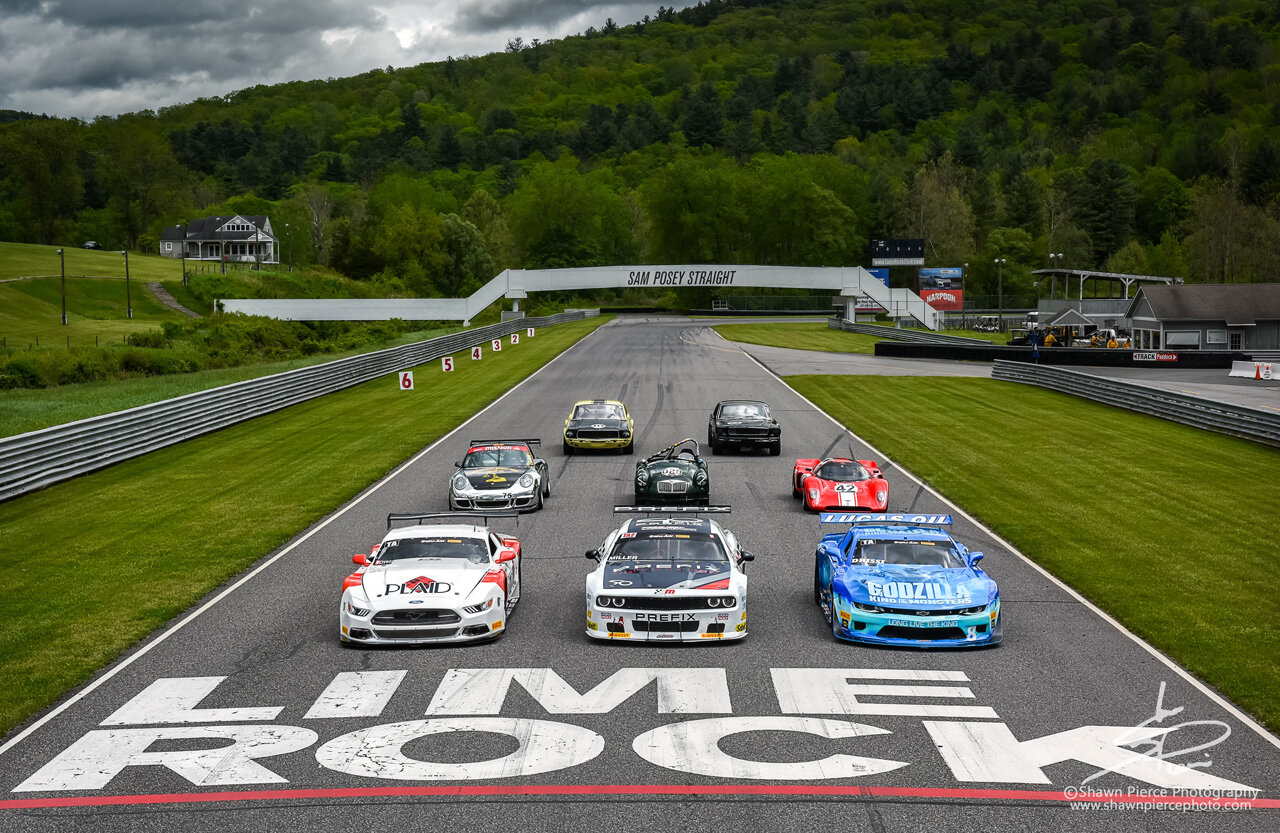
[91, 244]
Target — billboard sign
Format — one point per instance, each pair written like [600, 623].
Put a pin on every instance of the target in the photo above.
[898, 252]
[942, 288]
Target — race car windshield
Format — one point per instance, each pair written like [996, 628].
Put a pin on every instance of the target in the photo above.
[598, 410]
[926, 553]
[402, 549]
[669, 546]
[486, 457]
[844, 471]
[745, 410]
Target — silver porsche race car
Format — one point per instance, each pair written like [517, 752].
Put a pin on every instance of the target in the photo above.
[441, 579]
[500, 474]
[671, 578]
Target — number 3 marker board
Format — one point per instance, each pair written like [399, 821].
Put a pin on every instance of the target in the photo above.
[497, 345]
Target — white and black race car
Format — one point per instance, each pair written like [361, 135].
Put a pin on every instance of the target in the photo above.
[671, 578]
[500, 474]
[439, 580]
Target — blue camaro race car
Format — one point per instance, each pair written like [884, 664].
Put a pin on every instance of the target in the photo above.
[901, 580]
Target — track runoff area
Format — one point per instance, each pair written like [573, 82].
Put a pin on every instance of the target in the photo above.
[247, 713]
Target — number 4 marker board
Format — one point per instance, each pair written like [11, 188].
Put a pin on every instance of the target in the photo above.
[477, 352]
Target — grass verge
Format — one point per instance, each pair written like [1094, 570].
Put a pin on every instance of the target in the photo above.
[26, 409]
[807, 335]
[1163, 526]
[139, 543]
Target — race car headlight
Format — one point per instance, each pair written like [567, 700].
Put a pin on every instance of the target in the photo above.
[700, 478]
[525, 481]
[976, 609]
[570, 433]
[813, 494]
[868, 608]
[775, 432]
[642, 476]
[626, 432]
[882, 496]
[721, 601]
[610, 601]
[460, 483]
[355, 611]
[479, 608]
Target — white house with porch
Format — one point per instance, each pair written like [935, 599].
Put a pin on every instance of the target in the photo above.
[237, 239]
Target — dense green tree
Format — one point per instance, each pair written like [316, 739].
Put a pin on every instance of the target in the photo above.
[44, 157]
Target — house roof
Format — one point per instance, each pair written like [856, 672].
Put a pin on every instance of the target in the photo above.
[1236, 304]
[1069, 317]
[206, 228]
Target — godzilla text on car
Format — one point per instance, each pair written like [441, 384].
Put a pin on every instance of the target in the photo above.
[901, 580]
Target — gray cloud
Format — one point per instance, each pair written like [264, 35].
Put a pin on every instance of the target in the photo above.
[105, 57]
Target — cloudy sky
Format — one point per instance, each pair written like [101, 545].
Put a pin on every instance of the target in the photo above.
[104, 57]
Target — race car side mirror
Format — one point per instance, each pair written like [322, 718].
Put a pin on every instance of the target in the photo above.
[457, 464]
[593, 554]
[504, 556]
[361, 559]
[746, 556]
[975, 557]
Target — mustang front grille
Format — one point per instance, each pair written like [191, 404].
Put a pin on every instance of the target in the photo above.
[415, 633]
[416, 617]
[597, 434]
[673, 487]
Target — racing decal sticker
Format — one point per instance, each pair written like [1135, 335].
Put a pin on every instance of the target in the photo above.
[924, 591]
[421, 584]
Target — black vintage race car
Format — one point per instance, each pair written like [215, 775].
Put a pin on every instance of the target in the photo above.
[743, 423]
[676, 474]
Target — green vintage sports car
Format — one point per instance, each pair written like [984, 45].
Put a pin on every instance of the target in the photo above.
[676, 474]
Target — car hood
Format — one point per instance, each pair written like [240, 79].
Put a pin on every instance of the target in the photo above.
[598, 423]
[669, 468]
[746, 423]
[433, 581]
[903, 585]
[499, 477]
[685, 575]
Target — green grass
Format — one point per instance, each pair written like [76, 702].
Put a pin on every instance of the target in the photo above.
[97, 563]
[25, 260]
[809, 335]
[1167, 528]
[23, 409]
[31, 310]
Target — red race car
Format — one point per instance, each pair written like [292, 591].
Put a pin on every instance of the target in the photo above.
[840, 483]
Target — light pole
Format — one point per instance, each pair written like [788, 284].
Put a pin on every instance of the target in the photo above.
[1000, 262]
[128, 298]
[182, 249]
[62, 262]
[1055, 262]
[288, 250]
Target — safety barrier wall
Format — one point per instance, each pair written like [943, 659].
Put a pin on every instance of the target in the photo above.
[42, 458]
[1086, 356]
[1210, 415]
[918, 336]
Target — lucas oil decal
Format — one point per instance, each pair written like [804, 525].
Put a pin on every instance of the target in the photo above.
[925, 591]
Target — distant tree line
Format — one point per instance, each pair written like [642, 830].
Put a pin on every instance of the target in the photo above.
[1130, 135]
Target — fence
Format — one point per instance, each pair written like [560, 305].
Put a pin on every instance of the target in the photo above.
[1210, 415]
[921, 336]
[42, 458]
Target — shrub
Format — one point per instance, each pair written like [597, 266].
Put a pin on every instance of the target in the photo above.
[21, 372]
[135, 361]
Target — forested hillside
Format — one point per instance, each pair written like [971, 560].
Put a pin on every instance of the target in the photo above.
[1137, 136]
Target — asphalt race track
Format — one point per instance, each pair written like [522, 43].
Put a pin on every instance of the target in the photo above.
[249, 714]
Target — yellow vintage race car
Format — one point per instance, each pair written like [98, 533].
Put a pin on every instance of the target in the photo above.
[599, 423]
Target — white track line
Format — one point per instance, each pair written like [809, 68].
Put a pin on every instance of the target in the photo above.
[1177, 669]
[129, 660]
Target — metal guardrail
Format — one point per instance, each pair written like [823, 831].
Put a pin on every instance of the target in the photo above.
[922, 336]
[1208, 414]
[51, 455]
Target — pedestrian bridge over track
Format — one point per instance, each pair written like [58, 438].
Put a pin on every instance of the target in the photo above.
[846, 282]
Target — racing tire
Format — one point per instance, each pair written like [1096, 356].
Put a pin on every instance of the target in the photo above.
[546, 487]
[817, 593]
[537, 507]
[830, 612]
[630, 447]
[639, 501]
[568, 449]
[775, 449]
